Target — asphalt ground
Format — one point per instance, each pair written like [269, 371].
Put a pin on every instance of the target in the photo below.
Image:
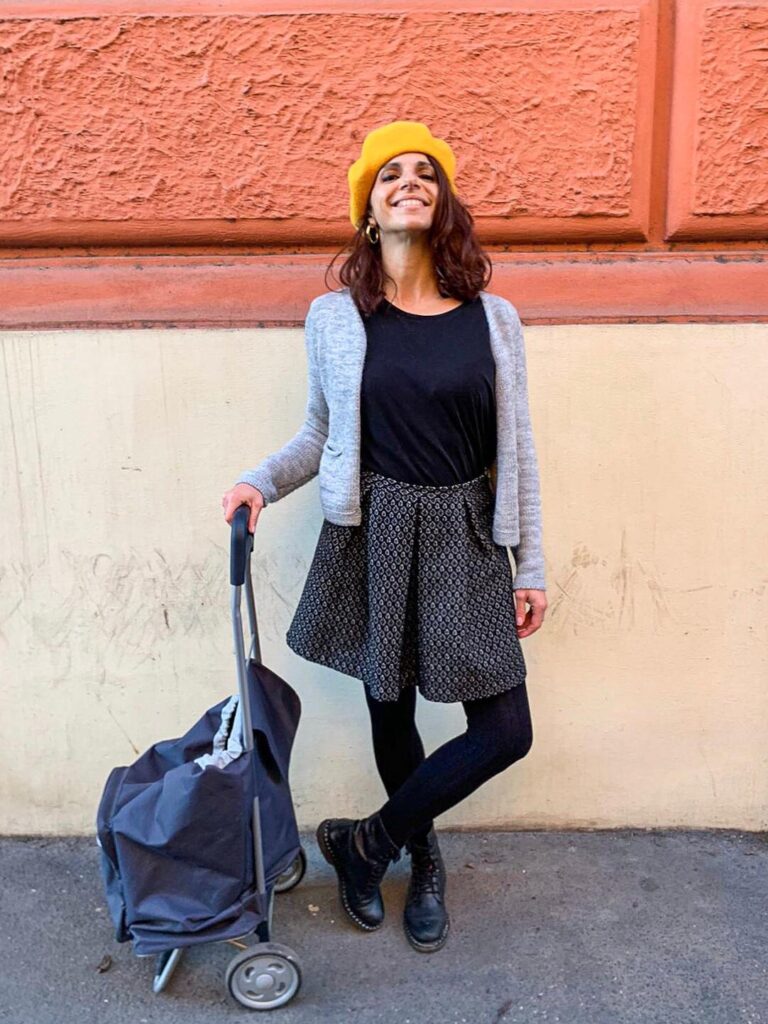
[600, 927]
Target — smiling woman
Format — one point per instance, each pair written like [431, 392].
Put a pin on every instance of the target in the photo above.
[410, 198]
[417, 387]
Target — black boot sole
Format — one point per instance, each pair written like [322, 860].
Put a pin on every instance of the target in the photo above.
[327, 851]
[428, 947]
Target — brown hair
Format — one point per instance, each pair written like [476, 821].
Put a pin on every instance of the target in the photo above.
[463, 269]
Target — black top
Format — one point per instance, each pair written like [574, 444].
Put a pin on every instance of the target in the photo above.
[428, 409]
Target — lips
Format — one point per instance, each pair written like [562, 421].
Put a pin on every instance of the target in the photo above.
[413, 199]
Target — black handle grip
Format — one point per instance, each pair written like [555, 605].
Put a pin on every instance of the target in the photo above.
[241, 545]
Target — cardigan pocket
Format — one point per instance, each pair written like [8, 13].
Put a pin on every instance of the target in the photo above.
[331, 472]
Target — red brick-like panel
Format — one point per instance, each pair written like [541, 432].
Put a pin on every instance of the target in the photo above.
[147, 130]
[718, 182]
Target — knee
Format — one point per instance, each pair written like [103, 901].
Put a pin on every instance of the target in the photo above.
[509, 742]
[513, 745]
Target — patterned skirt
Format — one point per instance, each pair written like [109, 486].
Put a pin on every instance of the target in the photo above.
[418, 594]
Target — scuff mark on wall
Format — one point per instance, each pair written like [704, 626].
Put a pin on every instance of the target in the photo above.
[121, 610]
[624, 593]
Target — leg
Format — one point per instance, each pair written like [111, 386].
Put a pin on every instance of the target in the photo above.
[361, 850]
[499, 732]
[397, 746]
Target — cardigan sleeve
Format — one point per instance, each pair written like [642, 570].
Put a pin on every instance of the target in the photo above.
[298, 461]
[528, 554]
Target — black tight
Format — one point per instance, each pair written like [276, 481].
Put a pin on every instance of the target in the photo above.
[499, 732]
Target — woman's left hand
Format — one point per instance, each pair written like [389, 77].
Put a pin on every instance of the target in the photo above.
[529, 621]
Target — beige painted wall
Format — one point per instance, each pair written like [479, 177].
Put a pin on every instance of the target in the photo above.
[647, 682]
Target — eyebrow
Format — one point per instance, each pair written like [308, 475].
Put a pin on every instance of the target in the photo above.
[396, 163]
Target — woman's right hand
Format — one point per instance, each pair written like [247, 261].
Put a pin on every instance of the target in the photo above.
[243, 494]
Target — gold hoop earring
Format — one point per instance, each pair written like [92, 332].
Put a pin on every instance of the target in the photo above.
[368, 229]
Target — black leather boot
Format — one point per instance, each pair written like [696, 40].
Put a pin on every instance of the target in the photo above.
[360, 850]
[425, 919]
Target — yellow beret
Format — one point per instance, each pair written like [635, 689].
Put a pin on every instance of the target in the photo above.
[383, 143]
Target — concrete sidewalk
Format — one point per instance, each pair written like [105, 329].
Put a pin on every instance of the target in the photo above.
[611, 927]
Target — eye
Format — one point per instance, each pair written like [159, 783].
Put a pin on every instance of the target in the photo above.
[425, 174]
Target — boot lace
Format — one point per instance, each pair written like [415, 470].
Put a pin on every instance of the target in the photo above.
[425, 874]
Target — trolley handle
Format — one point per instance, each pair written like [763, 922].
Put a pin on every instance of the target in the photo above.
[240, 547]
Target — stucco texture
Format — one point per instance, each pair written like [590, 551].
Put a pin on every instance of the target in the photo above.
[169, 117]
[731, 142]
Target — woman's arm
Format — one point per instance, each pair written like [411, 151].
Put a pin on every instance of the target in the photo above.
[528, 554]
[298, 461]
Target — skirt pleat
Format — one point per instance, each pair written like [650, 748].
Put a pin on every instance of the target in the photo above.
[418, 594]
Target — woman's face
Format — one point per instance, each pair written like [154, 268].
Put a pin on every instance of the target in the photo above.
[408, 176]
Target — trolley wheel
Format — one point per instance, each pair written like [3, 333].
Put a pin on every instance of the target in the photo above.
[165, 965]
[293, 874]
[264, 977]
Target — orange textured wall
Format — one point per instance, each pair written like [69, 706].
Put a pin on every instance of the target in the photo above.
[718, 153]
[149, 120]
[634, 127]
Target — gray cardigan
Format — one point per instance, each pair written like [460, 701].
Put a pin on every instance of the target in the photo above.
[328, 442]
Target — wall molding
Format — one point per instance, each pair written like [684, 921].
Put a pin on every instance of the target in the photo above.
[275, 291]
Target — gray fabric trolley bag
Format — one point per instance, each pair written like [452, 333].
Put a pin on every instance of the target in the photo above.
[200, 832]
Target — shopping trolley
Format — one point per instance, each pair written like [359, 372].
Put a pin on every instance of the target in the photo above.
[200, 832]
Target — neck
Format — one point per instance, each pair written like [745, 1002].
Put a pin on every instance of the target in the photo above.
[410, 273]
